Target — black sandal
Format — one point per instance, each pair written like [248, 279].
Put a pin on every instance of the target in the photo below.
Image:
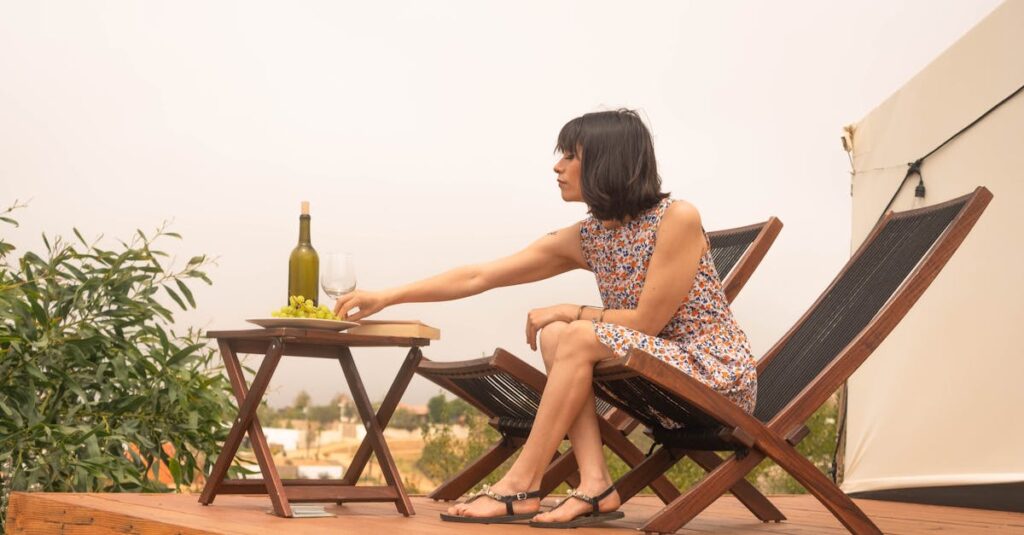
[593, 517]
[508, 500]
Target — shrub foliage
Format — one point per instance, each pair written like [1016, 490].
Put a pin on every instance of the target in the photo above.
[97, 391]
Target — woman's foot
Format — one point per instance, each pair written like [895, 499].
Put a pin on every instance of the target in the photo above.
[573, 508]
[487, 507]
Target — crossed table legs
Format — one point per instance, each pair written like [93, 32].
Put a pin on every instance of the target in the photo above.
[283, 491]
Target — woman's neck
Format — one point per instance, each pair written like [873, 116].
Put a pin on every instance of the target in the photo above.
[615, 223]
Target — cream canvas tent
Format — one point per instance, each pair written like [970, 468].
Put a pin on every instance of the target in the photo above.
[937, 413]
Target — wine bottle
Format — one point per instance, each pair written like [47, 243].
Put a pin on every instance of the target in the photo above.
[304, 263]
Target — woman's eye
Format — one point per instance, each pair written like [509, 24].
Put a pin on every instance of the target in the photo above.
[569, 156]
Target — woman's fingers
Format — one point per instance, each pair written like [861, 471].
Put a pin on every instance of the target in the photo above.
[340, 302]
[363, 312]
[349, 305]
[530, 332]
[527, 331]
[368, 303]
[534, 323]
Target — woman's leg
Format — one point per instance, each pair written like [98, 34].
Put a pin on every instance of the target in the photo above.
[587, 447]
[567, 392]
[584, 433]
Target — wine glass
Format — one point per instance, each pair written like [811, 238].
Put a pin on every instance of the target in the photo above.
[338, 274]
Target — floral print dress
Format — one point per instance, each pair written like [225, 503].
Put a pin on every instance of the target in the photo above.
[702, 339]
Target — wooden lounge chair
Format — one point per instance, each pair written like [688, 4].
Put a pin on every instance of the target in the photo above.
[508, 389]
[869, 297]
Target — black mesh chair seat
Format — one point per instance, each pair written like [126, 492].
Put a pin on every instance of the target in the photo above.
[697, 438]
[670, 420]
[515, 427]
[602, 406]
[497, 392]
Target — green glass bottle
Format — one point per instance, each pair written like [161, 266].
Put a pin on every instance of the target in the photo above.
[304, 263]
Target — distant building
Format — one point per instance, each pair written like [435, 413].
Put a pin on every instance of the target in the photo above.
[320, 471]
[288, 439]
[418, 410]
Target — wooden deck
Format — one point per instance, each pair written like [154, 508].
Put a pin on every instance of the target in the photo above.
[245, 515]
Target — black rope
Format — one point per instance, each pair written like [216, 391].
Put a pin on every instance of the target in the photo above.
[914, 168]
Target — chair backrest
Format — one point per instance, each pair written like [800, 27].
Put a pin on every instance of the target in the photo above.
[879, 279]
[737, 252]
[727, 246]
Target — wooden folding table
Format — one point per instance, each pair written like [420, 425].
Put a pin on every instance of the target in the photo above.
[274, 344]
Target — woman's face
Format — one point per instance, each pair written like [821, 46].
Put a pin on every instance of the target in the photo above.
[568, 170]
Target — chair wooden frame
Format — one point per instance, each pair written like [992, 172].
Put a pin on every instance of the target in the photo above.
[776, 438]
[615, 425]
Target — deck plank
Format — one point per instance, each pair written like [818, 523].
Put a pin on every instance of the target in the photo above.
[181, 514]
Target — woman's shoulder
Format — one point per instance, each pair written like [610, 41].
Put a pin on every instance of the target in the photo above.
[681, 212]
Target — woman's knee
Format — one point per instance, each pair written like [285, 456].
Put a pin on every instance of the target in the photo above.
[549, 337]
[577, 341]
[580, 331]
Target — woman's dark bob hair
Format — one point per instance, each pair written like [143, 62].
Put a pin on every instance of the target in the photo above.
[618, 174]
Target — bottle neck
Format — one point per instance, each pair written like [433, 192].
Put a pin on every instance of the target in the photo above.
[304, 230]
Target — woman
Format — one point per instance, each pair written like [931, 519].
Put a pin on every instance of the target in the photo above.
[660, 294]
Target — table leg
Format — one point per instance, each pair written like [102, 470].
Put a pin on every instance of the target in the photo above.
[260, 448]
[384, 413]
[375, 424]
[248, 402]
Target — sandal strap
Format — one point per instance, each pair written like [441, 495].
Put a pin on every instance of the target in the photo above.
[507, 499]
[594, 501]
[607, 492]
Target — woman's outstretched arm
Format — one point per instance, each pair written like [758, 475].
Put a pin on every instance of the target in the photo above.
[552, 254]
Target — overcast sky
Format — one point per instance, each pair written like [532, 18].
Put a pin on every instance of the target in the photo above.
[422, 134]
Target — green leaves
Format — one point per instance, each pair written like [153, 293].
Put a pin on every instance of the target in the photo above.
[174, 295]
[179, 357]
[97, 392]
[186, 292]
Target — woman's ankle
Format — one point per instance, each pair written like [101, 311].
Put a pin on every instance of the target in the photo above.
[595, 483]
[517, 484]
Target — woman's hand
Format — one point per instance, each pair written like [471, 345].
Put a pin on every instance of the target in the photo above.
[367, 302]
[539, 317]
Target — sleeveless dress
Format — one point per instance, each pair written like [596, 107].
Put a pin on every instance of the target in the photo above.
[702, 339]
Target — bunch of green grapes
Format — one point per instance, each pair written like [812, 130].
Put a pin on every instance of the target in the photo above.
[300, 307]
